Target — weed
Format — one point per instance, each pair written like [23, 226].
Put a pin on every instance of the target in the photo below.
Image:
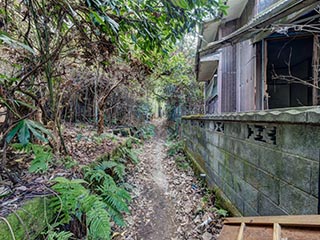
[175, 147]
[76, 201]
[145, 132]
[42, 156]
[69, 162]
[181, 162]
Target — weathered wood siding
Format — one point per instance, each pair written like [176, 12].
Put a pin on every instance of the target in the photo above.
[246, 81]
[227, 100]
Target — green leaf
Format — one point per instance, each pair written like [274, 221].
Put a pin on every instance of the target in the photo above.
[15, 44]
[24, 134]
[14, 131]
[26, 104]
[23, 129]
[39, 126]
[37, 134]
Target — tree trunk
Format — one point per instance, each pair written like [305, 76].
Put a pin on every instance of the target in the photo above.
[101, 118]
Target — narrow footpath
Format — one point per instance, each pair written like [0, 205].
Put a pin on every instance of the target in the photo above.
[167, 202]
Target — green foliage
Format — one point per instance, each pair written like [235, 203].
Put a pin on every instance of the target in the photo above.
[70, 192]
[176, 150]
[69, 162]
[14, 43]
[143, 111]
[182, 162]
[125, 154]
[23, 130]
[116, 198]
[42, 156]
[150, 24]
[76, 201]
[222, 212]
[116, 169]
[42, 159]
[175, 147]
[131, 141]
[145, 132]
[63, 235]
[100, 138]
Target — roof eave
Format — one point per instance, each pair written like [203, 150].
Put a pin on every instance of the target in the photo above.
[248, 30]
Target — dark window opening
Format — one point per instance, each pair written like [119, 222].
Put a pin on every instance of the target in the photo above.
[211, 95]
[289, 72]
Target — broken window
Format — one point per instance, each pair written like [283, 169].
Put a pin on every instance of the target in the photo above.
[211, 95]
[289, 71]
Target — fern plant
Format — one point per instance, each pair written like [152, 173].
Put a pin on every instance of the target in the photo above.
[116, 198]
[70, 192]
[114, 168]
[76, 201]
[63, 235]
[145, 132]
[175, 147]
[42, 156]
[125, 154]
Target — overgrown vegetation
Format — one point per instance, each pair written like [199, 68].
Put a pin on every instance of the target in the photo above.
[210, 201]
[90, 62]
[88, 207]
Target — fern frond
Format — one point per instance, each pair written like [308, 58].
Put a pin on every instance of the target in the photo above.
[59, 235]
[70, 191]
[117, 169]
[117, 217]
[114, 196]
[106, 165]
[131, 155]
[94, 175]
[98, 221]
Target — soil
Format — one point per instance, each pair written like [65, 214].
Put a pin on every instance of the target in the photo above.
[167, 202]
[84, 148]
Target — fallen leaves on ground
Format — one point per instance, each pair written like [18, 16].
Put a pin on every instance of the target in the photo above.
[190, 213]
[84, 147]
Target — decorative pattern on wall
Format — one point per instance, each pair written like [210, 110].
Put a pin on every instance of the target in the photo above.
[261, 133]
[217, 127]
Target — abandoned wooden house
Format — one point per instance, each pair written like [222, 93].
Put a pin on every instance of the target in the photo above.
[259, 142]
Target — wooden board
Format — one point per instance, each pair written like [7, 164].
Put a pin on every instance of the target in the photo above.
[272, 228]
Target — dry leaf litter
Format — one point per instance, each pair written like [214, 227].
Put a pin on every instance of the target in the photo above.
[84, 148]
[167, 202]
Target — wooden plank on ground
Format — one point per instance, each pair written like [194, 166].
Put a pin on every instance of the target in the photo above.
[298, 220]
[272, 228]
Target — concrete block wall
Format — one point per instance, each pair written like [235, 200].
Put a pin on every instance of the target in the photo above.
[266, 163]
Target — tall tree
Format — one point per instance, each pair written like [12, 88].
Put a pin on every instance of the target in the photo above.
[42, 39]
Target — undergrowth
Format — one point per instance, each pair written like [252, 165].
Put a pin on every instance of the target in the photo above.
[145, 132]
[41, 156]
[89, 207]
[176, 150]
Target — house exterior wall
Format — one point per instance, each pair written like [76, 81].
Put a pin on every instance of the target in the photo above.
[266, 163]
[237, 69]
[227, 72]
[246, 72]
[263, 4]
[248, 13]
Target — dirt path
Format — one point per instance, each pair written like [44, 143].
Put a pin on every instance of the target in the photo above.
[166, 201]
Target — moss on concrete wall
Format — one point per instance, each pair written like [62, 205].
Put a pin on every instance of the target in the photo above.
[260, 160]
[28, 221]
